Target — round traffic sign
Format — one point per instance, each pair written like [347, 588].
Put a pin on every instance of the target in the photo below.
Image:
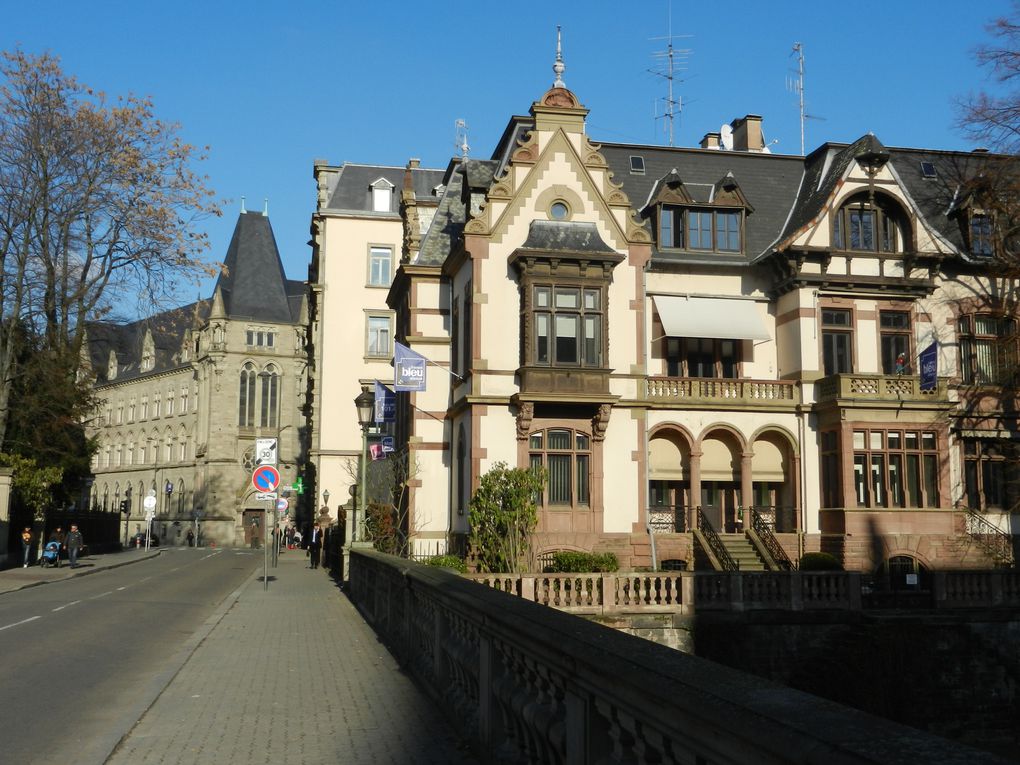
[265, 478]
[149, 503]
[282, 504]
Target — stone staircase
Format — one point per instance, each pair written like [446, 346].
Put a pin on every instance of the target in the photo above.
[742, 551]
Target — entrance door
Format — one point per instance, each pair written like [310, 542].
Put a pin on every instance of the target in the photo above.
[253, 528]
[719, 503]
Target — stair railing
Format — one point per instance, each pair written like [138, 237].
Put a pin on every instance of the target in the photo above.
[715, 544]
[993, 540]
[764, 531]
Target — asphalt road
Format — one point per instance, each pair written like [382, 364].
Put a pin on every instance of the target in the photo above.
[82, 659]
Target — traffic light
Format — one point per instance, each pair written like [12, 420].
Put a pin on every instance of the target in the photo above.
[125, 505]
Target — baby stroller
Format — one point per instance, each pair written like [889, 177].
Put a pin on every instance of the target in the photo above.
[50, 554]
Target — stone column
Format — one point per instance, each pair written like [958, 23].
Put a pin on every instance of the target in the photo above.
[746, 487]
[695, 488]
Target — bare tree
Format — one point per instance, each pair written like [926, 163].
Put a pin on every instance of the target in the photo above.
[390, 525]
[97, 202]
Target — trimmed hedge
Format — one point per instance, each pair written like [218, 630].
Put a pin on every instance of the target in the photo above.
[447, 561]
[569, 562]
[819, 561]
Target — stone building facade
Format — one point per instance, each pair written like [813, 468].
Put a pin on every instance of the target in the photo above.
[186, 392]
[712, 346]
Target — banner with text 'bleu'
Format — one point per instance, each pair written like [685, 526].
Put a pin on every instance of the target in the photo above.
[408, 369]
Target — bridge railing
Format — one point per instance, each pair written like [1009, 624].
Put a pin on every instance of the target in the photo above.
[525, 683]
[687, 591]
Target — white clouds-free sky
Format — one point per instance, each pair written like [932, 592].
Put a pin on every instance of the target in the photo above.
[270, 86]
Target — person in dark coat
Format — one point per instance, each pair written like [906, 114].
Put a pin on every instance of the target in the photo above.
[315, 544]
[74, 542]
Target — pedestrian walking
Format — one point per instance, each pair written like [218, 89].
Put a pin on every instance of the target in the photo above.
[26, 546]
[191, 538]
[314, 544]
[74, 542]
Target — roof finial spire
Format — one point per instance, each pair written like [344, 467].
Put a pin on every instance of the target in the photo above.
[265, 208]
[559, 66]
[242, 206]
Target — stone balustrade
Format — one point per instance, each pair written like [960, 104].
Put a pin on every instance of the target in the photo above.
[879, 388]
[687, 592]
[527, 684]
[722, 393]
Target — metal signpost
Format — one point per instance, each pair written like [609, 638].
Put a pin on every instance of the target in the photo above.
[149, 503]
[265, 479]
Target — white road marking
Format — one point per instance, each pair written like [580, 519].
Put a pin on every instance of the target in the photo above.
[123, 588]
[72, 603]
[23, 621]
[102, 595]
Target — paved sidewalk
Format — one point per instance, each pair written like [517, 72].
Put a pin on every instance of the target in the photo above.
[290, 675]
[12, 579]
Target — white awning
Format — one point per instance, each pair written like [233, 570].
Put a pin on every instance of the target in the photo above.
[710, 317]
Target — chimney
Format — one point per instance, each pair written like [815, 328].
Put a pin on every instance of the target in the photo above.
[710, 141]
[747, 135]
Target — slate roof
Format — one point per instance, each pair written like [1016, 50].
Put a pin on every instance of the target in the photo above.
[353, 189]
[127, 341]
[253, 285]
[253, 282]
[462, 178]
[565, 236]
[768, 181]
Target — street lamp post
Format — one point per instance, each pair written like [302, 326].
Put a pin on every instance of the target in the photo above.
[365, 404]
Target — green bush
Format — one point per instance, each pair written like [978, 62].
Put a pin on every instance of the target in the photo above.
[569, 562]
[819, 561]
[447, 561]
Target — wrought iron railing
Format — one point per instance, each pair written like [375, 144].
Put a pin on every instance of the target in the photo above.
[993, 540]
[764, 531]
[715, 544]
[667, 520]
[781, 519]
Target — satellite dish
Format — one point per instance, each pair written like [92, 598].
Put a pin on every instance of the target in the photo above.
[726, 137]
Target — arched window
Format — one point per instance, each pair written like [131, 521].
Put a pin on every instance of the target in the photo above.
[269, 382]
[869, 223]
[566, 454]
[246, 400]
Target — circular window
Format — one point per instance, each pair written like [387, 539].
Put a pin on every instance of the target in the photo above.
[559, 210]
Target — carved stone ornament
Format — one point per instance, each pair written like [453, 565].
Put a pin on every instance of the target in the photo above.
[525, 414]
[600, 422]
[528, 151]
[476, 226]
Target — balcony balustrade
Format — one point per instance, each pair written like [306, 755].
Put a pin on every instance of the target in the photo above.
[892, 388]
[721, 393]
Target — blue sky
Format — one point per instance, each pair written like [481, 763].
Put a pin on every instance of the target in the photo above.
[270, 86]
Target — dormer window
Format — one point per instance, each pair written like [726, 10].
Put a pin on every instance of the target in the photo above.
[710, 230]
[981, 234]
[868, 224]
[382, 194]
[111, 366]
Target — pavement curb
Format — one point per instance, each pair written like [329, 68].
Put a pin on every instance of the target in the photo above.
[75, 574]
[159, 683]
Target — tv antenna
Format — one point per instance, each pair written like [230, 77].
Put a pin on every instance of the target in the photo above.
[797, 86]
[669, 62]
[460, 138]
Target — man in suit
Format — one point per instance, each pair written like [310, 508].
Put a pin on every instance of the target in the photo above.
[315, 544]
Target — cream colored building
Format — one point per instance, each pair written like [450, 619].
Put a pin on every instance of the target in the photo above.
[358, 234]
[186, 392]
[707, 347]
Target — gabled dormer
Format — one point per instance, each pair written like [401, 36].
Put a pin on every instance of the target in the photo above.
[699, 218]
[382, 195]
[148, 359]
[111, 366]
[974, 211]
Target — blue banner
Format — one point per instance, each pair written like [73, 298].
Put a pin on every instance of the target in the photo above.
[408, 369]
[385, 403]
[929, 361]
